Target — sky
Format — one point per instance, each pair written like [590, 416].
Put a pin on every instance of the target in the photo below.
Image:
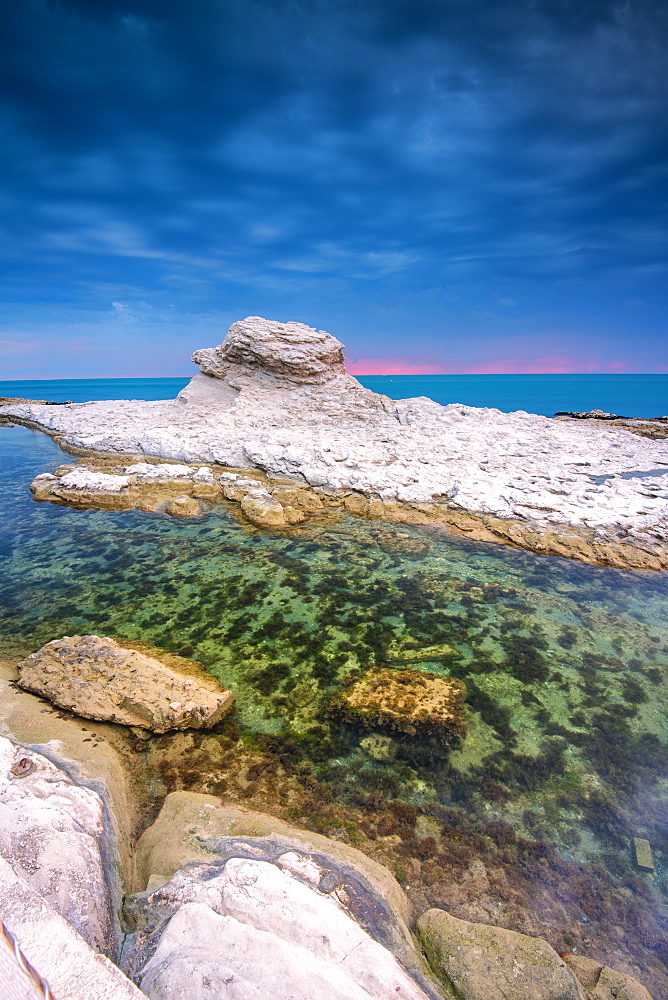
[444, 185]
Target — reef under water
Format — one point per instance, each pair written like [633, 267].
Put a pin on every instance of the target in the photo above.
[527, 823]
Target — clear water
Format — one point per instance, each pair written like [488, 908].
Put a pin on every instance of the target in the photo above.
[566, 665]
[627, 395]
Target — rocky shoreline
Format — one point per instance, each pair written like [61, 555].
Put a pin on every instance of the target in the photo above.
[274, 403]
[102, 898]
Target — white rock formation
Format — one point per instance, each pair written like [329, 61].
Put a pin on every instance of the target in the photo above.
[99, 678]
[56, 952]
[51, 831]
[255, 931]
[275, 396]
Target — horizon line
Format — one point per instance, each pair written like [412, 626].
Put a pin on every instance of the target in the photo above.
[390, 375]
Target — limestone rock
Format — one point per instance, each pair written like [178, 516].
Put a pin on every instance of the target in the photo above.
[197, 828]
[183, 506]
[275, 397]
[604, 983]
[54, 949]
[226, 885]
[98, 756]
[291, 353]
[491, 963]
[261, 508]
[100, 678]
[408, 703]
[52, 834]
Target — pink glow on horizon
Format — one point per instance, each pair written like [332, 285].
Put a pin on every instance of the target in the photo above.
[390, 366]
[550, 365]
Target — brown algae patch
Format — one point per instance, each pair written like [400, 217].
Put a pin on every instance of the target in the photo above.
[424, 707]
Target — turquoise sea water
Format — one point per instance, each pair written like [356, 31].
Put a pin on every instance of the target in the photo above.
[529, 823]
[627, 395]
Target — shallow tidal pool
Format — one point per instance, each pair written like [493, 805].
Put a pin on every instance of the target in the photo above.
[528, 824]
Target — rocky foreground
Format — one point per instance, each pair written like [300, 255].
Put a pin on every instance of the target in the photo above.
[218, 901]
[275, 397]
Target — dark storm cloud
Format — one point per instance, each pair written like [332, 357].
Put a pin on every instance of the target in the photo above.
[311, 150]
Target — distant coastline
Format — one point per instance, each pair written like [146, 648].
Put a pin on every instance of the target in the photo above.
[630, 395]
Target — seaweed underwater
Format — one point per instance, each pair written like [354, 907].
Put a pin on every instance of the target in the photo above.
[526, 821]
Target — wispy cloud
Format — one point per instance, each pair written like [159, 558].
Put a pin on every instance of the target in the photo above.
[389, 171]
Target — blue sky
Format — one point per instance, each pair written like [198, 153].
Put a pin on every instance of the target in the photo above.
[445, 185]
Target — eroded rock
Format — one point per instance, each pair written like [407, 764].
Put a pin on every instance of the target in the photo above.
[183, 506]
[291, 353]
[52, 834]
[261, 508]
[100, 678]
[492, 963]
[277, 911]
[603, 983]
[72, 969]
[275, 397]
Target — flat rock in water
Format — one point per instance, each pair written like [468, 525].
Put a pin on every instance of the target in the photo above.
[99, 678]
[411, 703]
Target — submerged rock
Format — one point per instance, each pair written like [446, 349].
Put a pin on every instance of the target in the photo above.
[603, 983]
[425, 707]
[100, 678]
[492, 963]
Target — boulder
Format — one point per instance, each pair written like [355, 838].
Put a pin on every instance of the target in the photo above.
[183, 506]
[604, 983]
[241, 897]
[289, 353]
[100, 756]
[261, 508]
[413, 704]
[480, 962]
[249, 928]
[102, 678]
[197, 828]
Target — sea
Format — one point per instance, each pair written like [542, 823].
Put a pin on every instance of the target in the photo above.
[625, 395]
[529, 824]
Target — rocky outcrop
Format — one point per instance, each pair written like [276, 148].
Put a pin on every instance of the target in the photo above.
[44, 951]
[275, 397]
[271, 926]
[289, 353]
[425, 708]
[100, 678]
[233, 903]
[308, 905]
[193, 827]
[52, 832]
